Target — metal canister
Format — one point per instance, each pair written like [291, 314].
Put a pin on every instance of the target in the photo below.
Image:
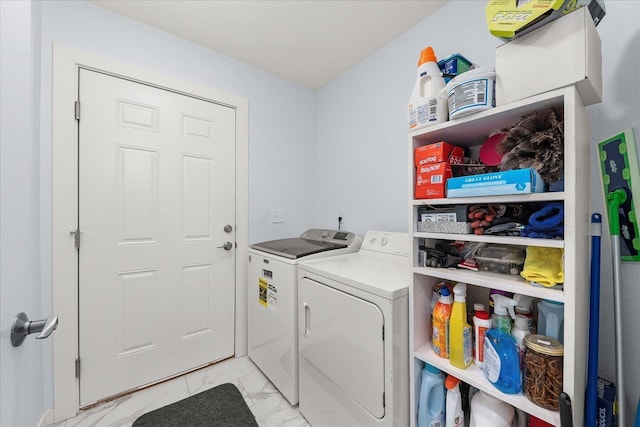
[543, 370]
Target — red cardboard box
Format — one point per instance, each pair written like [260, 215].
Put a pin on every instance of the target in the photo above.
[438, 153]
[431, 180]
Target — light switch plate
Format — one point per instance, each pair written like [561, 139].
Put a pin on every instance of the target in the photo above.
[277, 216]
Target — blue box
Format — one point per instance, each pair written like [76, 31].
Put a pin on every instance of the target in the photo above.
[606, 415]
[518, 181]
[454, 65]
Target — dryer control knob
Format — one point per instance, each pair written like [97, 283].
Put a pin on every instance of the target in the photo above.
[384, 241]
[372, 240]
[325, 234]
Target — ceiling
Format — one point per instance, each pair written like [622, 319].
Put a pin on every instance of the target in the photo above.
[310, 42]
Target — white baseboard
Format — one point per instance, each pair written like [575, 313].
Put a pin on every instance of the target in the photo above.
[46, 419]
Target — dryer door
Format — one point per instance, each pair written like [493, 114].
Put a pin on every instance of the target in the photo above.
[342, 339]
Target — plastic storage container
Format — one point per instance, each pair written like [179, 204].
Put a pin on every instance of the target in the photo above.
[543, 370]
[501, 259]
[471, 92]
[432, 398]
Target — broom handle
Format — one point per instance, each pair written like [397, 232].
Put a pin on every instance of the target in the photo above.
[617, 311]
[614, 200]
[591, 401]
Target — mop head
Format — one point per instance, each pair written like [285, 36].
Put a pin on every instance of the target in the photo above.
[619, 167]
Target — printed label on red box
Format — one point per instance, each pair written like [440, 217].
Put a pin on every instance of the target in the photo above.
[431, 180]
[438, 153]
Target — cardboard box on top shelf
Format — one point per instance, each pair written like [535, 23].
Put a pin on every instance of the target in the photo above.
[509, 19]
[562, 53]
[437, 153]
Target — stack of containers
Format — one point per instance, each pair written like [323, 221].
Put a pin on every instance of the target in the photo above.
[433, 168]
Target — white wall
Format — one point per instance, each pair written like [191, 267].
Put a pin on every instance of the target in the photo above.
[362, 136]
[281, 113]
[362, 155]
[20, 291]
[619, 110]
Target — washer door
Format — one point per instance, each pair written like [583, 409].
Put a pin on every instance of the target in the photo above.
[342, 338]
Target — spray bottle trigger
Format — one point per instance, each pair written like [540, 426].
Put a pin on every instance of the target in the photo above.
[504, 304]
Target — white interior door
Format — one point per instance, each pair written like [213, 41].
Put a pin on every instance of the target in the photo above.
[156, 189]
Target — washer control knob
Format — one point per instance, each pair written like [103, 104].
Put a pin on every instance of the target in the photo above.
[325, 234]
[372, 240]
[384, 241]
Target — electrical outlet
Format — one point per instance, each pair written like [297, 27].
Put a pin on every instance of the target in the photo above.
[277, 215]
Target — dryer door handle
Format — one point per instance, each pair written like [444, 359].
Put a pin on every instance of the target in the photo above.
[307, 319]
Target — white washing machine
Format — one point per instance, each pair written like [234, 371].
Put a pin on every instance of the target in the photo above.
[273, 297]
[353, 335]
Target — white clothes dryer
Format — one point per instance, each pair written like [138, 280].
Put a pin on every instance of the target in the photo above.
[273, 296]
[353, 335]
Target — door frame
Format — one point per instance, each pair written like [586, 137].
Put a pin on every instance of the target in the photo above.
[64, 188]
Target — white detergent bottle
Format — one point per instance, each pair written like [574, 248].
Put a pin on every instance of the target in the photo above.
[489, 411]
[425, 105]
[454, 416]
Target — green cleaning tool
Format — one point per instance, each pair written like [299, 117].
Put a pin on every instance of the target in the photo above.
[620, 178]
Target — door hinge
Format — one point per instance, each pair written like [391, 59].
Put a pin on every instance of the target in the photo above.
[76, 238]
[77, 110]
[78, 367]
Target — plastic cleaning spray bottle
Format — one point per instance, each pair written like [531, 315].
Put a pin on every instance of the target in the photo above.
[460, 345]
[481, 324]
[501, 357]
[425, 106]
[431, 402]
[519, 331]
[454, 415]
[524, 307]
[441, 315]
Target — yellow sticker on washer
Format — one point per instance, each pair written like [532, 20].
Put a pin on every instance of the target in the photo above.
[262, 291]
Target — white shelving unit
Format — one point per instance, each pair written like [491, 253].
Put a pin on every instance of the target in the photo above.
[470, 132]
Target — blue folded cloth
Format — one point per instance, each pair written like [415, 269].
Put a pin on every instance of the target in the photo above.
[547, 223]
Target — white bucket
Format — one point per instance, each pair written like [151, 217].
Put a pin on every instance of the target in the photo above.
[471, 92]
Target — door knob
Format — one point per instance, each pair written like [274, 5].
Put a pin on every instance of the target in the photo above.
[22, 327]
[228, 228]
[226, 246]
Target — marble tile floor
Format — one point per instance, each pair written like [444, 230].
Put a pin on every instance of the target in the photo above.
[269, 407]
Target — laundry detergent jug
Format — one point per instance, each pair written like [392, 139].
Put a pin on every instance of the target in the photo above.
[431, 402]
[489, 411]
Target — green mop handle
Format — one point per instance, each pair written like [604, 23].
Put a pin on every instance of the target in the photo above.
[614, 200]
